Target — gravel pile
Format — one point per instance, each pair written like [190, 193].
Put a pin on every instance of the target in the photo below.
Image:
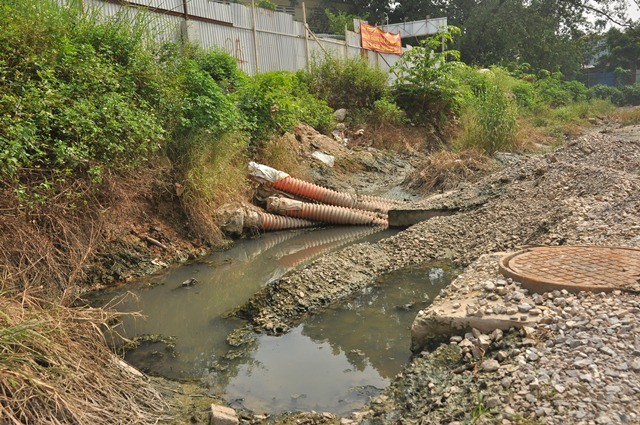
[580, 364]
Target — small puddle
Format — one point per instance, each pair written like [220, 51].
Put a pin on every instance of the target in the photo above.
[334, 361]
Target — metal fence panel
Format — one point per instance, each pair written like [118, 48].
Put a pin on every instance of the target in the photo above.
[281, 43]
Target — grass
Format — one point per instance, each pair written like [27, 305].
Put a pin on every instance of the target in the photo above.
[568, 121]
[214, 175]
[625, 116]
[479, 409]
[283, 153]
[56, 368]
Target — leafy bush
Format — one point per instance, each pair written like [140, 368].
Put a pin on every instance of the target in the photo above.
[220, 66]
[350, 84]
[274, 102]
[75, 91]
[602, 91]
[206, 106]
[525, 94]
[428, 83]
[630, 95]
[386, 112]
[554, 91]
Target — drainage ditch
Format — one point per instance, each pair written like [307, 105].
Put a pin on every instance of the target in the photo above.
[334, 361]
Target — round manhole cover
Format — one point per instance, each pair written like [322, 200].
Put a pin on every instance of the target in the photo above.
[575, 268]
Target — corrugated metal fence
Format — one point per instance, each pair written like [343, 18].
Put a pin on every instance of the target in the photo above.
[259, 39]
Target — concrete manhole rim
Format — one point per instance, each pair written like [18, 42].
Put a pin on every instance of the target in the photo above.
[536, 284]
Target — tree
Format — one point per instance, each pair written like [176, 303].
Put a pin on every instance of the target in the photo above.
[572, 13]
[624, 48]
[509, 31]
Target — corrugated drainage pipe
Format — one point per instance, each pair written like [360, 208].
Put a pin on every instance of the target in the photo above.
[331, 197]
[279, 222]
[284, 182]
[322, 213]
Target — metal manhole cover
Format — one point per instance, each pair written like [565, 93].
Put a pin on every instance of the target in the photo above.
[575, 268]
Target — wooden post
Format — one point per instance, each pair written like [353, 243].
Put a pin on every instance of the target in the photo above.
[306, 36]
[255, 36]
[185, 10]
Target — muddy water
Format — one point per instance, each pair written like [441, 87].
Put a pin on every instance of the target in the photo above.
[333, 362]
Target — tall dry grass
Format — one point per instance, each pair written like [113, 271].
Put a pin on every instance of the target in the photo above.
[444, 170]
[56, 368]
[213, 174]
[626, 116]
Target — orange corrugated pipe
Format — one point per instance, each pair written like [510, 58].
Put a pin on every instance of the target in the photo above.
[322, 213]
[312, 191]
[279, 222]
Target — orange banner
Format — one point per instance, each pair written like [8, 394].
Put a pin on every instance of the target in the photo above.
[373, 38]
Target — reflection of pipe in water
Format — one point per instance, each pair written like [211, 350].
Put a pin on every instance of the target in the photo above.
[323, 213]
[294, 260]
[322, 237]
[322, 247]
[284, 182]
[263, 243]
[289, 242]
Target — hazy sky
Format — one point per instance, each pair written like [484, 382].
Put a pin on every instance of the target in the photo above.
[633, 11]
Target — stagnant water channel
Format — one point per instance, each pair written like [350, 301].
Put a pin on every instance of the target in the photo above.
[333, 362]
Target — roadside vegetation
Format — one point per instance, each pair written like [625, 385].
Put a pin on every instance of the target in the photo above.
[94, 113]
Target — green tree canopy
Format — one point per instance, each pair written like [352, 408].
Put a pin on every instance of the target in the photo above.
[547, 34]
[624, 48]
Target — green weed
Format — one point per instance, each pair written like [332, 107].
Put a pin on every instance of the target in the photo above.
[350, 84]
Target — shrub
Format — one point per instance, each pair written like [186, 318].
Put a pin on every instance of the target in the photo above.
[222, 67]
[76, 91]
[386, 112]
[630, 95]
[350, 84]
[274, 102]
[525, 94]
[554, 91]
[428, 84]
[602, 91]
[206, 107]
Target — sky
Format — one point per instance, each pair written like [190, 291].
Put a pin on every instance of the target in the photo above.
[634, 13]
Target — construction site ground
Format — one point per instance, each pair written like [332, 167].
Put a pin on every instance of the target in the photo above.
[581, 364]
